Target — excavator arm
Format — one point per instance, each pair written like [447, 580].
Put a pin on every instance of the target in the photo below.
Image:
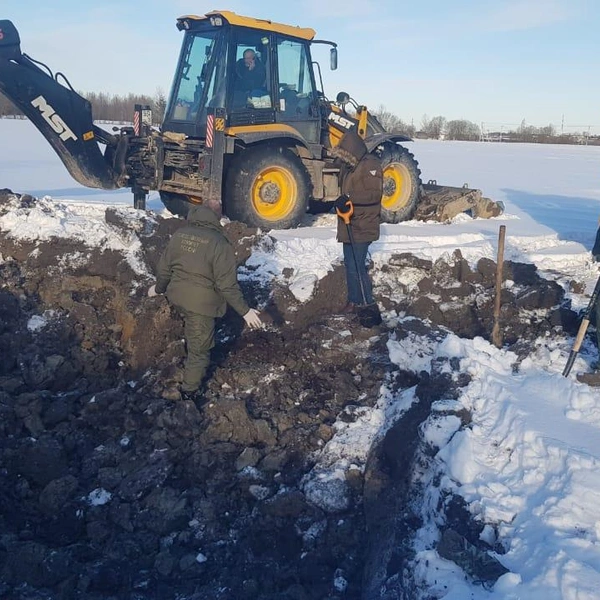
[63, 116]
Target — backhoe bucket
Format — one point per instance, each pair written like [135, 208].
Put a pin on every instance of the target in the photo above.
[63, 116]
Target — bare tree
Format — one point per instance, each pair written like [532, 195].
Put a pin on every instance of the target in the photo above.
[547, 134]
[159, 105]
[433, 128]
[115, 108]
[549, 130]
[408, 129]
[392, 122]
[462, 130]
[385, 117]
[526, 132]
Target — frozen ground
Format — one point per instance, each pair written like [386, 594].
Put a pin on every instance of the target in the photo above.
[528, 463]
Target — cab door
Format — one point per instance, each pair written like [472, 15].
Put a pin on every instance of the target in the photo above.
[199, 82]
[296, 102]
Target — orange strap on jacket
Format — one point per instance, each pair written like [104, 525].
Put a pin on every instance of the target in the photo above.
[346, 216]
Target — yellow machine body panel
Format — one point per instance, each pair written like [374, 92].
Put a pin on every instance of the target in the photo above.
[281, 128]
[305, 33]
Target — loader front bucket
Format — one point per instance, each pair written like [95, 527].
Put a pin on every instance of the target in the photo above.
[443, 203]
[63, 117]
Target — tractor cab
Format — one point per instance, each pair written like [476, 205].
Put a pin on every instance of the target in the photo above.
[259, 72]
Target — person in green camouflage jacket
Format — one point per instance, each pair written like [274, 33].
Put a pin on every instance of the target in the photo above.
[198, 273]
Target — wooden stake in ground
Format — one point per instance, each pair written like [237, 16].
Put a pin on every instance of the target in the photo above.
[496, 333]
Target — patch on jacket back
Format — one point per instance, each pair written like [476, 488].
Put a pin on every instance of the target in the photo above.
[192, 243]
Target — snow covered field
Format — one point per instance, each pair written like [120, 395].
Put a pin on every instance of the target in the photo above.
[529, 463]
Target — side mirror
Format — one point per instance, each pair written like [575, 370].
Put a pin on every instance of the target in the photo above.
[333, 59]
[342, 98]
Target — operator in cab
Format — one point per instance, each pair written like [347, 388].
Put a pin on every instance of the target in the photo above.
[251, 76]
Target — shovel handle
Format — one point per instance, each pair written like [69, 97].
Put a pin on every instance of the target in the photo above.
[346, 216]
[582, 328]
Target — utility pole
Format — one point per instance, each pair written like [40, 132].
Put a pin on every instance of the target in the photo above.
[562, 125]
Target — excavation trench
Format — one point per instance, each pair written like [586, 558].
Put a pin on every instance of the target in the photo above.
[108, 490]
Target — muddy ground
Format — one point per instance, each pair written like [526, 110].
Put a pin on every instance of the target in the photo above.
[110, 491]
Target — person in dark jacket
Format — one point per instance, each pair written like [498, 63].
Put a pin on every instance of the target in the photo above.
[251, 76]
[362, 186]
[596, 258]
[198, 273]
[593, 378]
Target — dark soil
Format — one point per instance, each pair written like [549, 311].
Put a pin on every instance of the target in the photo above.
[110, 491]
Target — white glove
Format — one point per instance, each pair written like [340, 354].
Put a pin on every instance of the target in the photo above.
[253, 320]
[152, 291]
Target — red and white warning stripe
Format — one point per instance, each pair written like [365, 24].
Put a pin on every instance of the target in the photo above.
[210, 130]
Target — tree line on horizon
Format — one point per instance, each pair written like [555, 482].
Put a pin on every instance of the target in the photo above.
[107, 107]
[463, 130]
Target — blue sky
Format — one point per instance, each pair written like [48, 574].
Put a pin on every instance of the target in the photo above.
[495, 62]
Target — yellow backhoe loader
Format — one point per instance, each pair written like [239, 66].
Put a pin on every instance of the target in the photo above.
[253, 142]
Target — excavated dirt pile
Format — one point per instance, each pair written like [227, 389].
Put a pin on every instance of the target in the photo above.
[109, 490]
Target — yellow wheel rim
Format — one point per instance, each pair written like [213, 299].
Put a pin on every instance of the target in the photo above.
[396, 187]
[194, 200]
[274, 193]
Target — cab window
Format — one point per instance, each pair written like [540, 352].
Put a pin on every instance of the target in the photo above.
[251, 71]
[296, 91]
[196, 82]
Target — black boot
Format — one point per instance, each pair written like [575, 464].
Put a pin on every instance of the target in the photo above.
[187, 396]
[197, 397]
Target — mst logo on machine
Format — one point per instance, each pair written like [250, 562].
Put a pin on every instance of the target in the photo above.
[340, 121]
[53, 119]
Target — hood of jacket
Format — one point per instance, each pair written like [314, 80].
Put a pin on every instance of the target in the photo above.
[350, 149]
[202, 216]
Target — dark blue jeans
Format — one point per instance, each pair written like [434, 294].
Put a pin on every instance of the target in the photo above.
[354, 278]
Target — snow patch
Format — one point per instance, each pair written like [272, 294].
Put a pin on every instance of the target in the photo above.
[99, 497]
[38, 322]
[47, 219]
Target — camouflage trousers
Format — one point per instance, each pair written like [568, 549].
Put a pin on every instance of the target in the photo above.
[199, 332]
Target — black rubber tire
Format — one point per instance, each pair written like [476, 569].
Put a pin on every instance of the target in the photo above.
[273, 165]
[405, 168]
[178, 204]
